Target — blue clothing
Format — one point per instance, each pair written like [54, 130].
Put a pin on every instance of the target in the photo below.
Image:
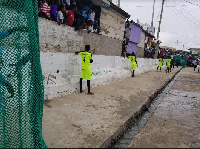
[53, 12]
[89, 17]
[84, 14]
[95, 23]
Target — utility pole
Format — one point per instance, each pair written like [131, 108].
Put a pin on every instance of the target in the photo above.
[163, 1]
[153, 14]
[119, 3]
[157, 44]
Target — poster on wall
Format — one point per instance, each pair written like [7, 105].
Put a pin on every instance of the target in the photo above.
[132, 47]
[134, 39]
[135, 33]
[151, 30]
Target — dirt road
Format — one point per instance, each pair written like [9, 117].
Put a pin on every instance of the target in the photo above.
[176, 122]
[79, 120]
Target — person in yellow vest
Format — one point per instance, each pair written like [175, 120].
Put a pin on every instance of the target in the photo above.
[132, 57]
[160, 64]
[86, 72]
[168, 64]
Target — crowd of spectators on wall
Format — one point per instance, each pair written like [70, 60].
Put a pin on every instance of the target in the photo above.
[193, 59]
[165, 53]
[80, 14]
[149, 49]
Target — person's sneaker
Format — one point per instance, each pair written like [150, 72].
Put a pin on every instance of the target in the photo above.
[90, 93]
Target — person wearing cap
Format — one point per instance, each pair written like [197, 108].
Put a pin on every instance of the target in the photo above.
[86, 72]
[132, 57]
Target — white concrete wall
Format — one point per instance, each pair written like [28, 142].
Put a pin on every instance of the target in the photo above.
[105, 69]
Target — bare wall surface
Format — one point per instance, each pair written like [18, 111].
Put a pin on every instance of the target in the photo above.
[61, 71]
[103, 45]
[112, 24]
[60, 38]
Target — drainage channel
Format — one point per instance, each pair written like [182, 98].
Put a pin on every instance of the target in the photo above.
[136, 127]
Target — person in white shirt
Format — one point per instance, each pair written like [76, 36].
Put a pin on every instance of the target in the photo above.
[60, 16]
[92, 16]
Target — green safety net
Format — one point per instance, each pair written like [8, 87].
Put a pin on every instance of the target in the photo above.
[182, 59]
[21, 83]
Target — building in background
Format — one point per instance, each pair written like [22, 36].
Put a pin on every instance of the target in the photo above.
[166, 47]
[194, 50]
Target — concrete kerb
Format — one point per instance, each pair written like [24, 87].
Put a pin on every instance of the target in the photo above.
[135, 117]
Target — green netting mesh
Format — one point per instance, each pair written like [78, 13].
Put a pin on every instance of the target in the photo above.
[21, 84]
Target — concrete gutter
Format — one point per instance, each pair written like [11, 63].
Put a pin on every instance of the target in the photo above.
[134, 118]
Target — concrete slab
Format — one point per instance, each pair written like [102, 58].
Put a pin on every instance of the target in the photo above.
[80, 120]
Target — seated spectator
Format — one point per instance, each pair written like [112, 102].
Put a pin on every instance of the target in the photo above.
[90, 26]
[45, 9]
[54, 9]
[70, 15]
[92, 17]
[89, 15]
[95, 27]
[39, 8]
[60, 16]
[84, 14]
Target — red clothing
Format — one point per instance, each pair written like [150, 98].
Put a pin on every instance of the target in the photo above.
[69, 17]
[46, 9]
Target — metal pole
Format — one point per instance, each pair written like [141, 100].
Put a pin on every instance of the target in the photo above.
[119, 3]
[160, 19]
[153, 14]
[157, 44]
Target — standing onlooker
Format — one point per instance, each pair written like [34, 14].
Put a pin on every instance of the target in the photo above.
[70, 15]
[95, 27]
[84, 14]
[45, 9]
[68, 2]
[77, 20]
[127, 31]
[90, 26]
[89, 15]
[60, 16]
[54, 9]
[194, 64]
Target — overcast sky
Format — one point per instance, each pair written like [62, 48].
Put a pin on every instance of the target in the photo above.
[181, 20]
